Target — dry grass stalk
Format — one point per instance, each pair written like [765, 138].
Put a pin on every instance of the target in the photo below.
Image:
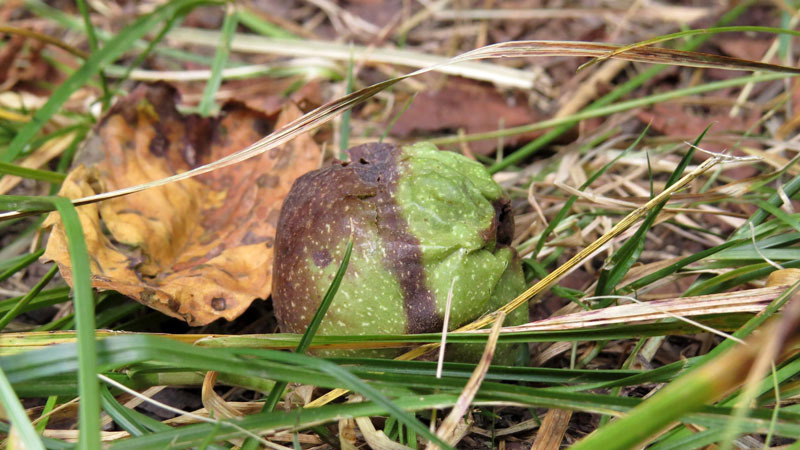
[377, 438]
[214, 402]
[749, 301]
[110, 436]
[186, 413]
[447, 429]
[552, 430]
[653, 12]
[525, 425]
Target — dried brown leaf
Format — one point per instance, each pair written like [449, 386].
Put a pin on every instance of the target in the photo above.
[199, 249]
[452, 107]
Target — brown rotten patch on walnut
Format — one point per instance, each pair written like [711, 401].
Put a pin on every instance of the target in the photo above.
[357, 193]
[199, 249]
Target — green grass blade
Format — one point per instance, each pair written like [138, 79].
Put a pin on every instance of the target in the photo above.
[49, 297]
[19, 418]
[192, 435]
[116, 313]
[33, 174]
[690, 440]
[250, 19]
[140, 58]
[791, 188]
[122, 416]
[316, 321]
[344, 129]
[25, 203]
[751, 324]
[562, 213]
[374, 394]
[23, 262]
[673, 268]
[93, 46]
[624, 258]
[604, 110]
[674, 402]
[681, 434]
[23, 302]
[277, 391]
[133, 350]
[89, 386]
[220, 60]
[775, 410]
[130, 420]
[111, 51]
[779, 214]
[351, 382]
[397, 116]
[736, 277]
[41, 425]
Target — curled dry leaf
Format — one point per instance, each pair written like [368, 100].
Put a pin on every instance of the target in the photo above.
[199, 249]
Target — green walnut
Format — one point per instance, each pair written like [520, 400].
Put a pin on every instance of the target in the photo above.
[420, 219]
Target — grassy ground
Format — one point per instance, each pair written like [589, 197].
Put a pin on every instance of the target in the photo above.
[653, 193]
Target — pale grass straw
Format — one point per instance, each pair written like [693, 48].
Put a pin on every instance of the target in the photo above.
[787, 203]
[758, 250]
[669, 313]
[312, 67]
[723, 156]
[444, 328]
[769, 351]
[343, 20]
[188, 414]
[536, 206]
[507, 76]
[11, 293]
[428, 10]
[376, 439]
[652, 12]
[777, 390]
[525, 425]
[448, 427]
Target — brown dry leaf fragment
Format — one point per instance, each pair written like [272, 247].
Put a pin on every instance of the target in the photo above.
[199, 249]
[475, 107]
[689, 122]
[21, 61]
[744, 47]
